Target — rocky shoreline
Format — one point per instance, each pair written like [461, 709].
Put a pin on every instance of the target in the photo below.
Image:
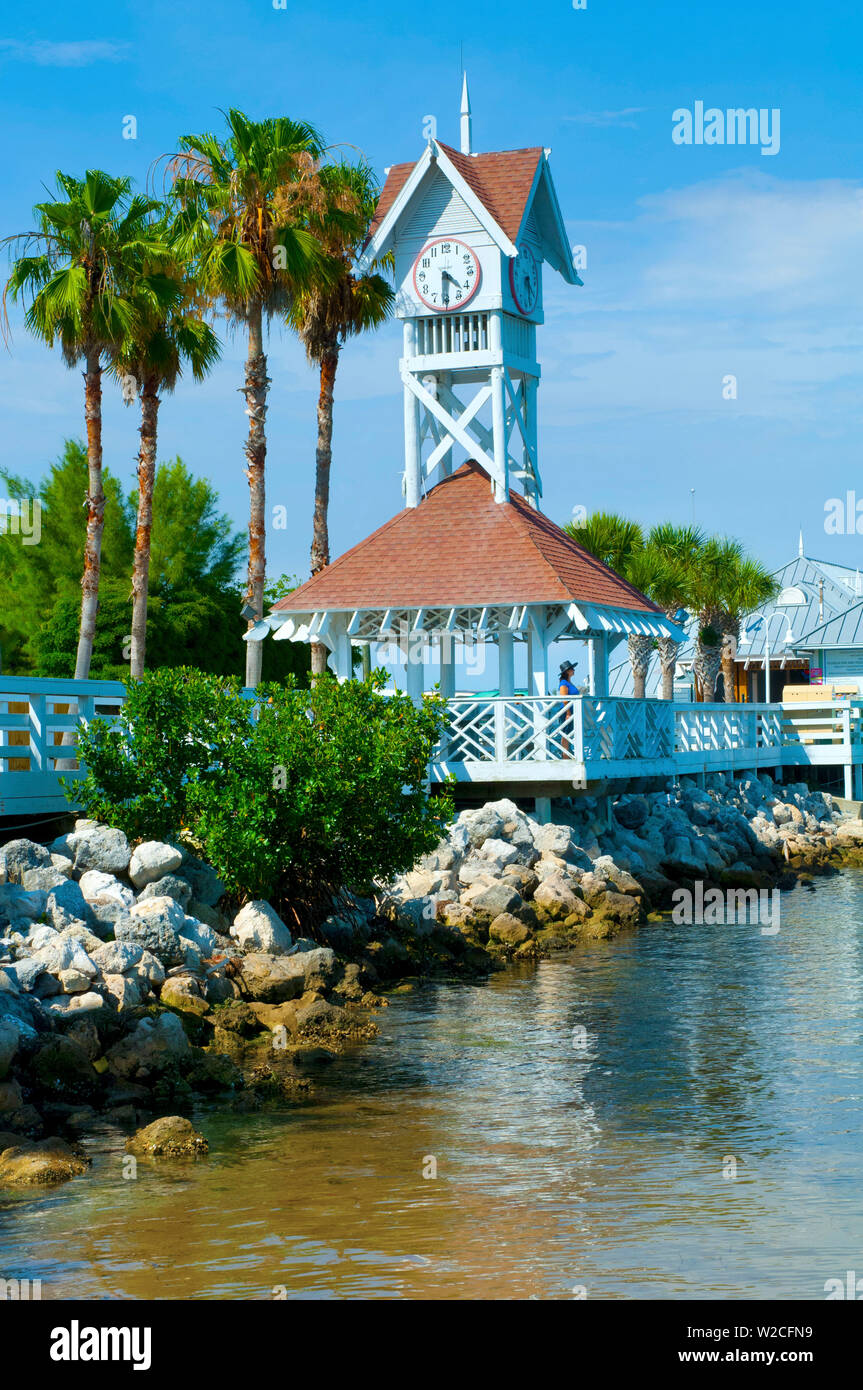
[130, 987]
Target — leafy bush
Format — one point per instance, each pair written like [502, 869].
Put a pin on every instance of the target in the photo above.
[292, 797]
[175, 727]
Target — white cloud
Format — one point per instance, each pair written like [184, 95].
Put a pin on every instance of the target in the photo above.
[77, 53]
[747, 275]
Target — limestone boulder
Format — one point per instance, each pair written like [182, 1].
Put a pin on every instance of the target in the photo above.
[10, 1042]
[66, 904]
[126, 992]
[170, 1137]
[482, 823]
[182, 992]
[205, 938]
[99, 888]
[152, 860]
[631, 812]
[488, 902]
[170, 886]
[100, 847]
[508, 930]
[41, 1164]
[151, 1047]
[258, 927]
[44, 880]
[155, 925]
[555, 899]
[17, 856]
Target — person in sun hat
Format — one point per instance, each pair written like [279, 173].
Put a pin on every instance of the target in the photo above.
[566, 686]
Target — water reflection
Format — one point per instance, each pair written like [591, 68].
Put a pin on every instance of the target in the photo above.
[603, 1164]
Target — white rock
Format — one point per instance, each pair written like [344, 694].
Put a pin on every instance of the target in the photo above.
[126, 991]
[152, 860]
[258, 928]
[499, 853]
[98, 887]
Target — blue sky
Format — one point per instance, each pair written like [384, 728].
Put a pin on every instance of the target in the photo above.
[702, 261]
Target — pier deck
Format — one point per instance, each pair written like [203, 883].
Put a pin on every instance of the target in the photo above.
[539, 743]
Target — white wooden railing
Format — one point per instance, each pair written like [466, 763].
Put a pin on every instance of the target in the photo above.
[35, 715]
[497, 738]
[512, 731]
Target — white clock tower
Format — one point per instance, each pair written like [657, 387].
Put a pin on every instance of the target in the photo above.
[469, 234]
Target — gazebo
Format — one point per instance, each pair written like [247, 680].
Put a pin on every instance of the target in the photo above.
[465, 567]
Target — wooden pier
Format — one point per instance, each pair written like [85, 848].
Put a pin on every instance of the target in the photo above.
[542, 745]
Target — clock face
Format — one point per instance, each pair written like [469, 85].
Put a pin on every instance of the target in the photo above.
[447, 273]
[524, 279]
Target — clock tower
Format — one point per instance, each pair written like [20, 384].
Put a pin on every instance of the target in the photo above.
[469, 234]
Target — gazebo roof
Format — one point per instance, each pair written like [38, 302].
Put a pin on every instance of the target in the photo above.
[460, 547]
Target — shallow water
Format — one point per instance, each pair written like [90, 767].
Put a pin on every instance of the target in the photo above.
[602, 1167]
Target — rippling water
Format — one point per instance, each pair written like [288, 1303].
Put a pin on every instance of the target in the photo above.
[602, 1167]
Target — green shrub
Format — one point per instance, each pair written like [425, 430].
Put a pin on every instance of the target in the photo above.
[292, 797]
[175, 727]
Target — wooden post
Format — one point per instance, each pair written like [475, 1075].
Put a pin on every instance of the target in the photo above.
[446, 654]
[413, 448]
[599, 674]
[498, 415]
[537, 653]
[341, 659]
[506, 663]
[415, 672]
[532, 432]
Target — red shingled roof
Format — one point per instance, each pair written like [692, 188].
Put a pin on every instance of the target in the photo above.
[459, 546]
[502, 180]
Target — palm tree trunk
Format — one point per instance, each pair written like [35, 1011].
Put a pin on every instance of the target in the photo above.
[708, 659]
[95, 516]
[639, 656]
[255, 390]
[320, 556]
[141, 566]
[729, 656]
[668, 649]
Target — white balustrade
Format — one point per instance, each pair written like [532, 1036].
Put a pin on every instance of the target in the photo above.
[36, 715]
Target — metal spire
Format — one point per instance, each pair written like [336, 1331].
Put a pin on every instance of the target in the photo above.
[800, 543]
[466, 123]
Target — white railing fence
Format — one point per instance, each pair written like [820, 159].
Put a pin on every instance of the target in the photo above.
[487, 735]
[35, 718]
[588, 729]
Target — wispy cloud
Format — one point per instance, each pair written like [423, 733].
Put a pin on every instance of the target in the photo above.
[78, 53]
[621, 119]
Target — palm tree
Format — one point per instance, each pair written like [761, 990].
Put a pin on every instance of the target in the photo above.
[619, 544]
[717, 560]
[169, 333]
[680, 547]
[337, 307]
[611, 538]
[246, 205]
[745, 587]
[663, 580]
[73, 274]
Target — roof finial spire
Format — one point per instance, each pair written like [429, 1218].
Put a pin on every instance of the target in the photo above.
[800, 550]
[466, 123]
